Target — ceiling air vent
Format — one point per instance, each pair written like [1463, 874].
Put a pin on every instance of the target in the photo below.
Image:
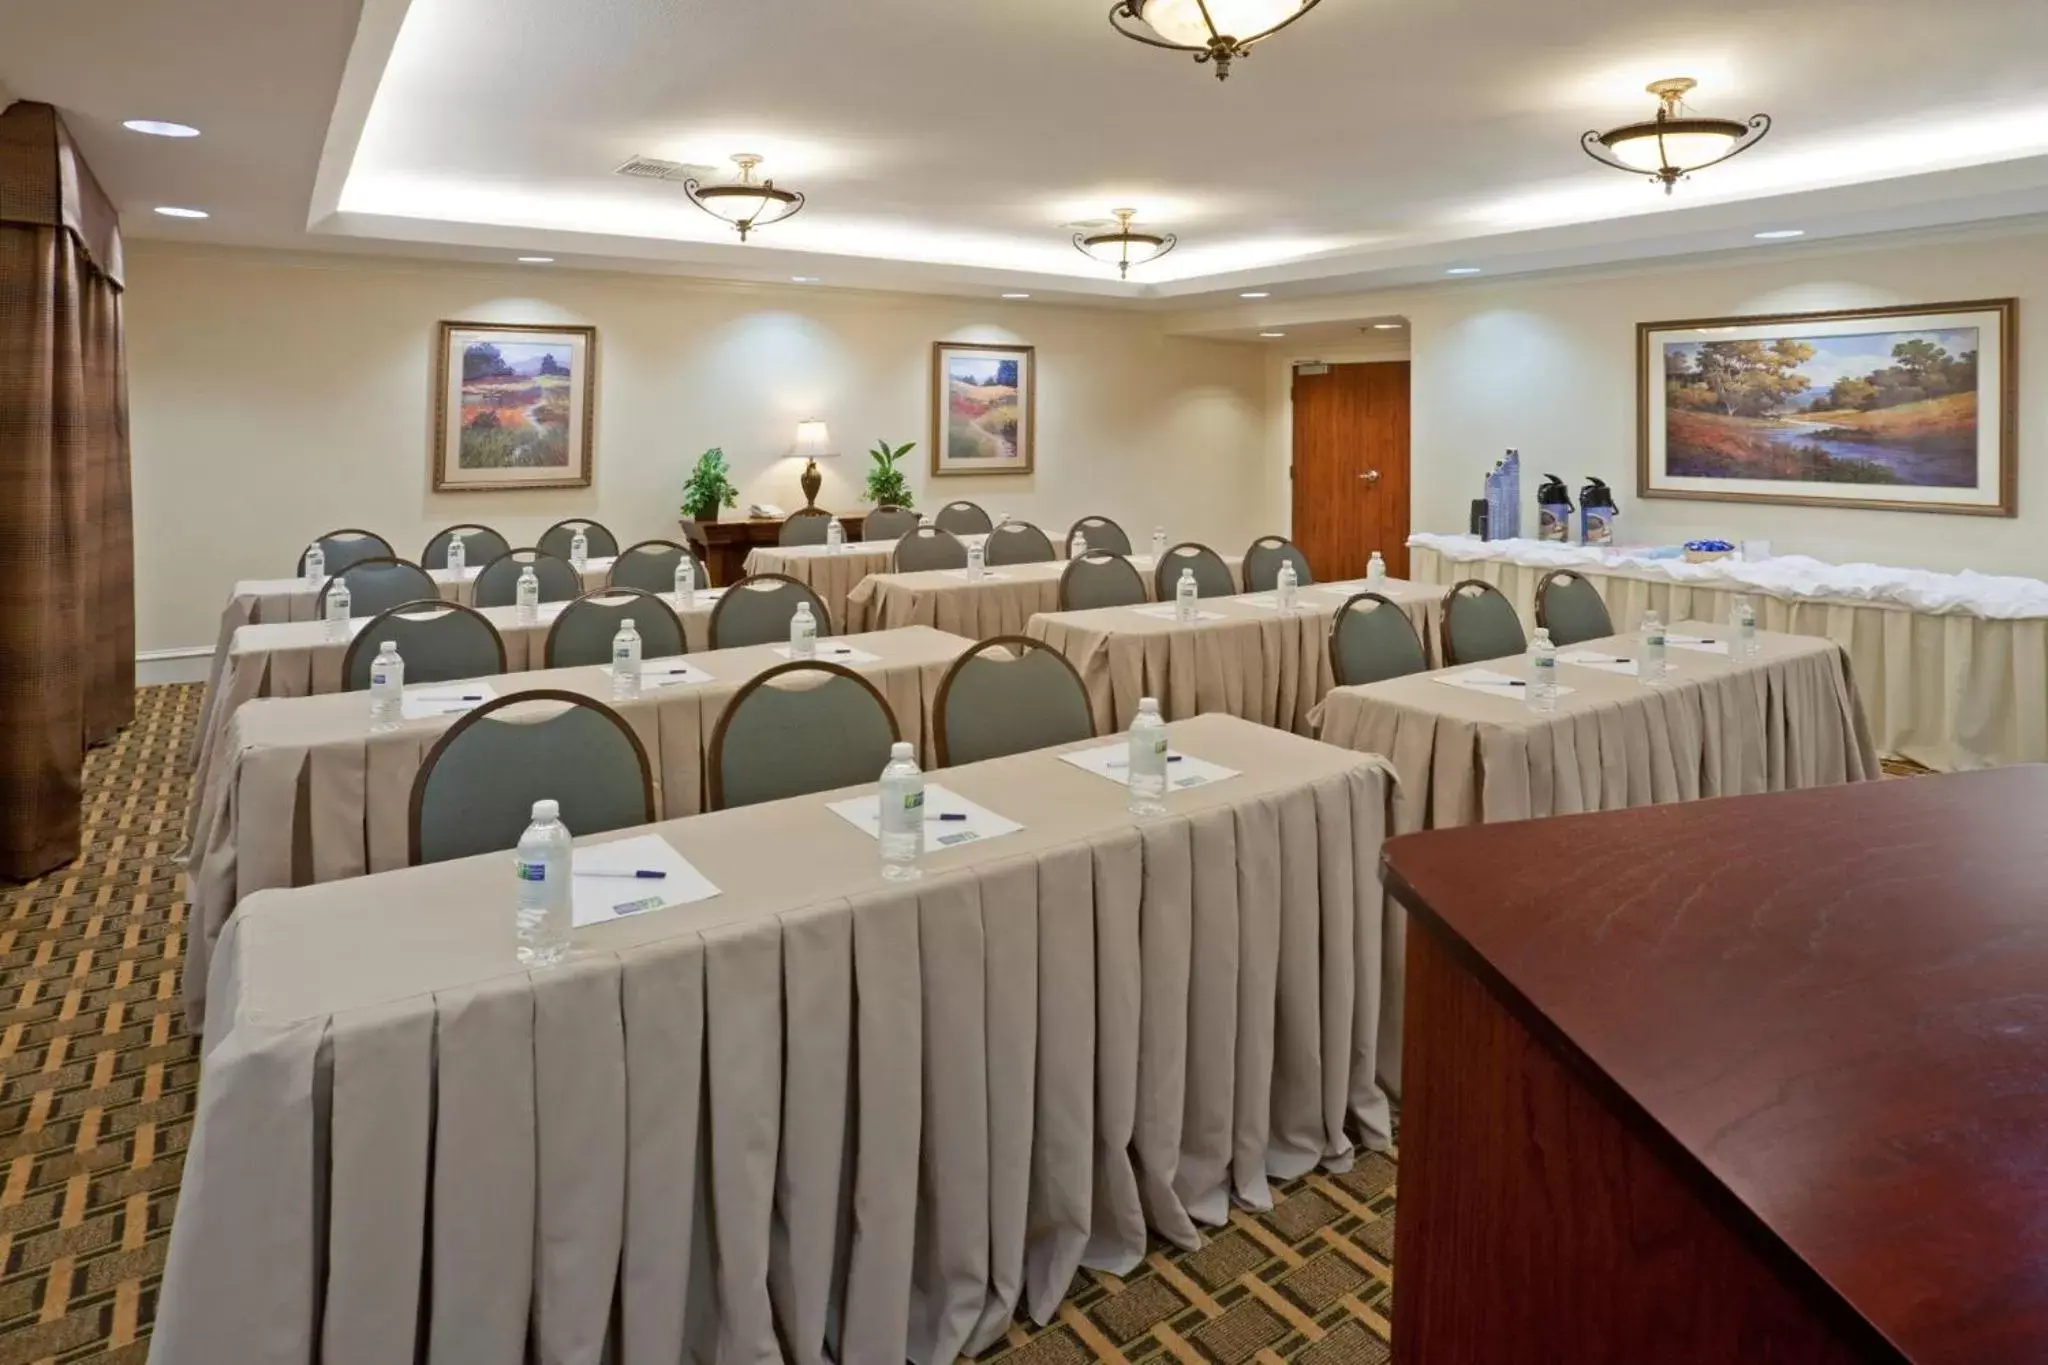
[654, 168]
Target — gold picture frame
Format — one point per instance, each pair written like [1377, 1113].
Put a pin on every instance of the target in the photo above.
[984, 409]
[515, 407]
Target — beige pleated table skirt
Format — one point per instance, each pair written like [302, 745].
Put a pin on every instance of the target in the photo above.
[1000, 603]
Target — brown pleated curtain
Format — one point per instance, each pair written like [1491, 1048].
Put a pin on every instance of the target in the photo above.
[67, 561]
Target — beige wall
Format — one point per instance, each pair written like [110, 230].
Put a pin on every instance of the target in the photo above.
[276, 396]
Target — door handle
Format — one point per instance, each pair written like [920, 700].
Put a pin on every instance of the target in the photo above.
[1371, 476]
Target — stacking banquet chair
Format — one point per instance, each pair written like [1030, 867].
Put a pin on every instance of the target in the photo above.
[1008, 694]
[1371, 640]
[1478, 624]
[475, 790]
[1100, 579]
[805, 526]
[1570, 608]
[888, 523]
[963, 519]
[497, 583]
[583, 633]
[601, 543]
[480, 545]
[348, 546]
[376, 585]
[757, 610]
[798, 728]
[1263, 560]
[1101, 534]
[651, 567]
[1212, 575]
[927, 547]
[1017, 542]
[439, 641]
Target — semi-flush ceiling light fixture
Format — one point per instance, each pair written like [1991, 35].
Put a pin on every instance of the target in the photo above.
[1218, 31]
[1125, 246]
[1675, 143]
[156, 127]
[746, 203]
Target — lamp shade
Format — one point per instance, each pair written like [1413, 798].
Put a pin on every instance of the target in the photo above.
[1182, 21]
[814, 440]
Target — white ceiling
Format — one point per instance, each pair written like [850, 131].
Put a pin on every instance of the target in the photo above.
[945, 143]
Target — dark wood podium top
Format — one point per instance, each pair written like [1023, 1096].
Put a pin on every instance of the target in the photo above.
[1830, 1006]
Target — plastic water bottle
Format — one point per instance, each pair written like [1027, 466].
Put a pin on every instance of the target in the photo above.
[545, 914]
[458, 556]
[528, 595]
[1158, 545]
[1146, 763]
[902, 815]
[339, 600]
[1002, 520]
[1184, 595]
[1654, 653]
[626, 662]
[835, 536]
[1077, 546]
[924, 519]
[1286, 585]
[579, 548]
[1542, 672]
[686, 582]
[387, 686]
[803, 633]
[1375, 569]
[1743, 617]
[977, 562]
[316, 565]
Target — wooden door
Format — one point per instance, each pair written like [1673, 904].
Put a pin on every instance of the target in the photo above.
[1351, 468]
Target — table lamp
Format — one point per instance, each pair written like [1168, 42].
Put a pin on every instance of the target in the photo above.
[814, 443]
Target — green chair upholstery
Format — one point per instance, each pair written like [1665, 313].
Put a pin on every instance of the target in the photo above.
[1478, 624]
[1017, 542]
[805, 526]
[927, 547]
[1007, 695]
[497, 583]
[1101, 579]
[1212, 575]
[583, 633]
[376, 585]
[757, 610]
[347, 546]
[888, 523]
[1263, 560]
[798, 728]
[1101, 534]
[480, 545]
[1570, 608]
[555, 540]
[963, 519]
[439, 641]
[1371, 640]
[651, 567]
[475, 791]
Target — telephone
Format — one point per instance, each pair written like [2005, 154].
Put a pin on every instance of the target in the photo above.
[766, 511]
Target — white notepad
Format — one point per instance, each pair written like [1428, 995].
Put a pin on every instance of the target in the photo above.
[451, 700]
[834, 654]
[1492, 683]
[1270, 601]
[1164, 611]
[600, 900]
[1606, 663]
[1699, 644]
[985, 574]
[1182, 770]
[864, 813]
[670, 673]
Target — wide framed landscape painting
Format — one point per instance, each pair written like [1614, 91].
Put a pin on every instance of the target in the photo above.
[1900, 409]
[984, 408]
[513, 407]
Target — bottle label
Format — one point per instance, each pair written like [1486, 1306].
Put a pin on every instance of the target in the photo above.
[378, 679]
[913, 800]
[1546, 662]
[531, 872]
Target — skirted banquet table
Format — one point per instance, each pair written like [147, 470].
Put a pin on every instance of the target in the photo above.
[832, 574]
[1953, 667]
[1001, 603]
[306, 790]
[818, 1115]
[1244, 657]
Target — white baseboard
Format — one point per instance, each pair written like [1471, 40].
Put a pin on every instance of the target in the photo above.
[156, 666]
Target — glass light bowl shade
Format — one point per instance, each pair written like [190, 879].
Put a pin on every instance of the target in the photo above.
[743, 203]
[1143, 247]
[1685, 143]
[1180, 21]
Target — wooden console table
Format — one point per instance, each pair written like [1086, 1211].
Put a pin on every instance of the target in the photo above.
[1742, 1081]
[729, 542]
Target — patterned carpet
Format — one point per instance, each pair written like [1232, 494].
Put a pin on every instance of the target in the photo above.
[98, 1081]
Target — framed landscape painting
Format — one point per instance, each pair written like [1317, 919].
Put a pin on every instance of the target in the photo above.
[1901, 409]
[984, 408]
[513, 407]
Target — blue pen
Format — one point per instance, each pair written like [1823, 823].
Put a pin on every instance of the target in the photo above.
[948, 815]
[645, 874]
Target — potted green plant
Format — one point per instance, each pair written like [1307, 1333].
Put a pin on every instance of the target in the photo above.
[709, 487]
[887, 486]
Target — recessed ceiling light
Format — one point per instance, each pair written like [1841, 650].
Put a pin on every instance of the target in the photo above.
[1272, 334]
[1016, 296]
[1386, 326]
[1256, 294]
[803, 279]
[1463, 270]
[1780, 234]
[160, 128]
[172, 211]
[536, 260]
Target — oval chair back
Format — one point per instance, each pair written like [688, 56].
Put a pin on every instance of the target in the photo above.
[583, 633]
[1478, 623]
[475, 790]
[376, 585]
[805, 526]
[555, 540]
[347, 546]
[1263, 559]
[927, 547]
[1101, 534]
[1017, 542]
[439, 641]
[1571, 609]
[497, 583]
[480, 545]
[963, 518]
[826, 727]
[651, 567]
[757, 611]
[888, 523]
[1007, 695]
[1101, 579]
[1372, 640]
[1212, 575]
